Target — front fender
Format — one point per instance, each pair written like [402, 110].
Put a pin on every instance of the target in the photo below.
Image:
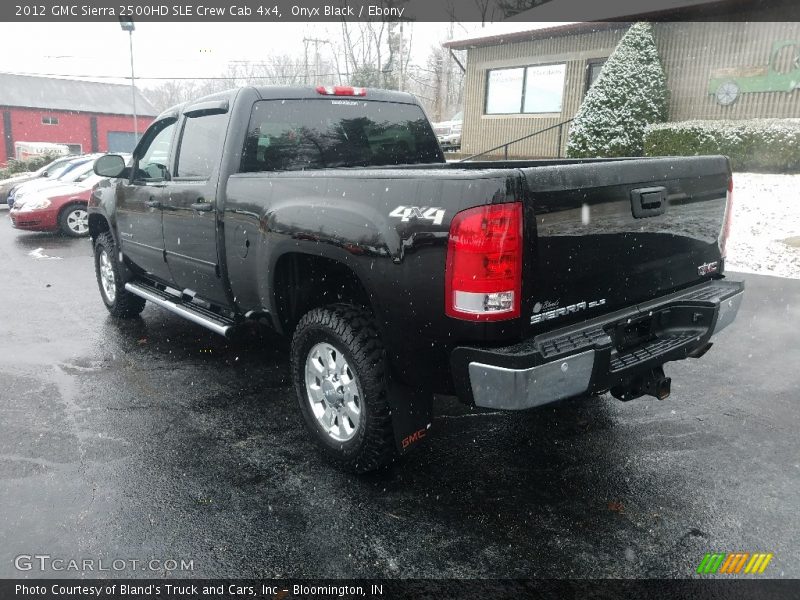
[103, 203]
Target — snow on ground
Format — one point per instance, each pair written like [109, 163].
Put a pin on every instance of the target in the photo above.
[765, 233]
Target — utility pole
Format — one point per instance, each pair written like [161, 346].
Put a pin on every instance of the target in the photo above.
[305, 60]
[316, 42]
[400, 87]
[448, 75]
[127, 25]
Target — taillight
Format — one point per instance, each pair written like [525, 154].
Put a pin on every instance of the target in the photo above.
[726, 225]
[341, 90]
[483, 277]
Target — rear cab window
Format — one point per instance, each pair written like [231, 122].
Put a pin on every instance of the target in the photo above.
[290, 135]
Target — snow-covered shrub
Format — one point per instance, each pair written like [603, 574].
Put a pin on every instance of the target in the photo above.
[630, 92]
[14, 166]
[752, 145]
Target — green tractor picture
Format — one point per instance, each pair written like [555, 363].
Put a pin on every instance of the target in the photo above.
[782, 74]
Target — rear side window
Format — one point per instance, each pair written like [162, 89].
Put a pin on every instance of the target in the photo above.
[290, 135]
[201, 145]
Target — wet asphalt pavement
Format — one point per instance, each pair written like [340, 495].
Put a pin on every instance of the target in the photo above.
[156, 439]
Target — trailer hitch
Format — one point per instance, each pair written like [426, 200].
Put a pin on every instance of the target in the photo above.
[652, 383]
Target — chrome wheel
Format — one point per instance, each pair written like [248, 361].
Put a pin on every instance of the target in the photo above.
[78, 221]
[333, 392]
[107, 279]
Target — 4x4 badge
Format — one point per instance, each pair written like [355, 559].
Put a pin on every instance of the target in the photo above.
[406, 213]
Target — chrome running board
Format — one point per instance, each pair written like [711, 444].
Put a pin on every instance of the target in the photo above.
[192, 312]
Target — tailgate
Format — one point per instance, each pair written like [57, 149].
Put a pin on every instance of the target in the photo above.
[611, 234]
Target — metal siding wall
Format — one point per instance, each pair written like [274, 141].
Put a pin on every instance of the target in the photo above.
[689, 52]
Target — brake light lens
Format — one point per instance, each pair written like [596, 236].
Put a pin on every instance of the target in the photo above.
[726, 225]
[341, 90]
[483, 276]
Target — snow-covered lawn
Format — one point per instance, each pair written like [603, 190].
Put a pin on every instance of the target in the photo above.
[765, 233]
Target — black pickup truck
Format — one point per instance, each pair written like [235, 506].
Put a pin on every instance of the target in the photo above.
[331, 215]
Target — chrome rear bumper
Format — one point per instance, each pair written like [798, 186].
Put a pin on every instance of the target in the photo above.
[593, 360]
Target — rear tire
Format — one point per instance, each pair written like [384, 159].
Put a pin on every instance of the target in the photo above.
[341, 378]
[73, 220]
[119, 301]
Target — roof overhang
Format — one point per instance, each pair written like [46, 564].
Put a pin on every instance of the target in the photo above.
[547, 30]
[544, 21]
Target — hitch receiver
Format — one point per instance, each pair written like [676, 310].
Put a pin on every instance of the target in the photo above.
[653, 383]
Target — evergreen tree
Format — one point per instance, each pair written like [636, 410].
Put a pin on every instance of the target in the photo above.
[630, 93]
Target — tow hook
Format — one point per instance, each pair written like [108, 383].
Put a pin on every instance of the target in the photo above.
[653, 383]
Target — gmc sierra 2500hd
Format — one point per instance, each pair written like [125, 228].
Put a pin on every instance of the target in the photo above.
[331, 215]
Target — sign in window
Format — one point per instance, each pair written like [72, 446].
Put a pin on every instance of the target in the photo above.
[544, 89]
[504, 91]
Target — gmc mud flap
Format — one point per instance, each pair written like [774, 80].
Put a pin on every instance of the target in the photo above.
[412, 415]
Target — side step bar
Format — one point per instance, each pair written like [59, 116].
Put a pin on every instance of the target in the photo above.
[196, 314]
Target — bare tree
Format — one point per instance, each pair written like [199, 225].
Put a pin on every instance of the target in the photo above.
[282, 69]
[371, 54]
[177, 91]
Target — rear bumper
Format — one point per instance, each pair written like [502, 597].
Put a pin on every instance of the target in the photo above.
[597, 354]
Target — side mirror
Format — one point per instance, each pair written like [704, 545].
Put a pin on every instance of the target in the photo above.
[110, 165]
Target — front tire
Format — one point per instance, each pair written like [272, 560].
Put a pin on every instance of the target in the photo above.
[341, 378]
[119, 301]
[73, 220]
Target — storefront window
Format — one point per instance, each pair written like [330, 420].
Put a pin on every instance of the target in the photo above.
[504, 91]
[534, 89]
[544, 89]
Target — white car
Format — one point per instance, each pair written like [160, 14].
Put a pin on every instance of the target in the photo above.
[449, 133]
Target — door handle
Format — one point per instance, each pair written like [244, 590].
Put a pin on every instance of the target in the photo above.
[152, 203]
[202, 206]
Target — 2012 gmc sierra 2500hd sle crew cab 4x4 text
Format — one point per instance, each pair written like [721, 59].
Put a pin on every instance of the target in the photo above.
[331, 215]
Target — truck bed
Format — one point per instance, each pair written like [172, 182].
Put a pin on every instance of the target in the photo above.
[583, 242]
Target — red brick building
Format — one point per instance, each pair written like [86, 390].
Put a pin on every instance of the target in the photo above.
[84, 115]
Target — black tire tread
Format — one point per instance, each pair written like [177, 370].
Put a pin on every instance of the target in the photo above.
[355, 326]
[126, 305]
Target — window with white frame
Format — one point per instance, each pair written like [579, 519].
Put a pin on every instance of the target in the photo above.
[525, 90]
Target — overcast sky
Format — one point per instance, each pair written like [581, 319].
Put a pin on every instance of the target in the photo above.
[171, 49]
